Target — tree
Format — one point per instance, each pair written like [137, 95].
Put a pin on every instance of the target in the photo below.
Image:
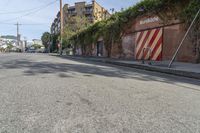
[36, 46]
[194, 34]
[10, 46]
[46, 38]
[74, 26]
[54, 40]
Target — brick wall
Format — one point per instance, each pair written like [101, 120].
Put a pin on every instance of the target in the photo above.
[126, 49]
[186, 53]
[172, 36]
[115, 52]
[128, 45]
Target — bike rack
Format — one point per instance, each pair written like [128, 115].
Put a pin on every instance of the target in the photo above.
[149, 55]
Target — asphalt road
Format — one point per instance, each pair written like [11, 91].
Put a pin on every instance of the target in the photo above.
[47, 94]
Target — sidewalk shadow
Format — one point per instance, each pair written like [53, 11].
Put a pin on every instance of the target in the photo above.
[91, 69]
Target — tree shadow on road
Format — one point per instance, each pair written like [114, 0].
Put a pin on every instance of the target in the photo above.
[68, 69]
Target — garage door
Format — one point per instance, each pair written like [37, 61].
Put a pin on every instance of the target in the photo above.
[149, 44]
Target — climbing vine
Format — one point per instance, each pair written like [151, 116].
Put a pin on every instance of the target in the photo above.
[188, 15]
[113, 28]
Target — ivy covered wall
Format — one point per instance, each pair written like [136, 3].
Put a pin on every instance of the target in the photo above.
[113, 29]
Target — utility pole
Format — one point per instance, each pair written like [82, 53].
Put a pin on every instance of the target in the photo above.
[18, 35]
[61, 27]
[25, 44]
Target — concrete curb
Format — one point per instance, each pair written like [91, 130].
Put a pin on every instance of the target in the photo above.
[159, 69]
[142, 66]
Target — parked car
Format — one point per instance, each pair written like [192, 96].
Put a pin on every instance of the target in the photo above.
[31, 51]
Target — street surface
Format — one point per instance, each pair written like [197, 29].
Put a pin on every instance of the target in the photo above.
[48, 94]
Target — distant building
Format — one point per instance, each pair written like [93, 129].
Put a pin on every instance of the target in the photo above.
[93, 12]
[8, 40]
[37, 41]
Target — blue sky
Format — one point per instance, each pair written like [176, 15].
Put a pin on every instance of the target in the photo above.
[41, 19]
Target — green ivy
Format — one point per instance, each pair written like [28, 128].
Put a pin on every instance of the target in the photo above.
[113, 28]
[190, 11]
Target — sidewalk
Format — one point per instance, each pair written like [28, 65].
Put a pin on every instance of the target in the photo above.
[178, 68]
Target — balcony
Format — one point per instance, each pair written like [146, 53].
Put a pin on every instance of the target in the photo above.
[74, 13]
[88, 12]
[90, 19]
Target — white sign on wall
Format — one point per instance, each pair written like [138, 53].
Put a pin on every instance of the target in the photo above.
[149, 20]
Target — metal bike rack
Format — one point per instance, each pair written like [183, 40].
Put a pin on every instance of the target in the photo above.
[149, 50]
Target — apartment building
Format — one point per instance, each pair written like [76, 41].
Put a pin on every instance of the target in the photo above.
[55, 27]
[94, 12]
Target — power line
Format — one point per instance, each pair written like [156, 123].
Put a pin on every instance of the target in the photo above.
[8, 30]
[18, 35]
[17, 12]
[33, 24]
[29, 13]
[7, 3]
[6, 23]
[22, 11]
[23, 24]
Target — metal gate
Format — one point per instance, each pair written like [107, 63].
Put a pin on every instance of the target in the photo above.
[149, 45]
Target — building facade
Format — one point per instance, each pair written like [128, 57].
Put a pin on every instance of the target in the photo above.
[148, 38]
[93, 12]
[37, 41]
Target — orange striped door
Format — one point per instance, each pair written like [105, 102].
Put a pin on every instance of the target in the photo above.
[149, 44]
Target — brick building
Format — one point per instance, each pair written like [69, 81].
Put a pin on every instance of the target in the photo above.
[149, 37]
[93, 12]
